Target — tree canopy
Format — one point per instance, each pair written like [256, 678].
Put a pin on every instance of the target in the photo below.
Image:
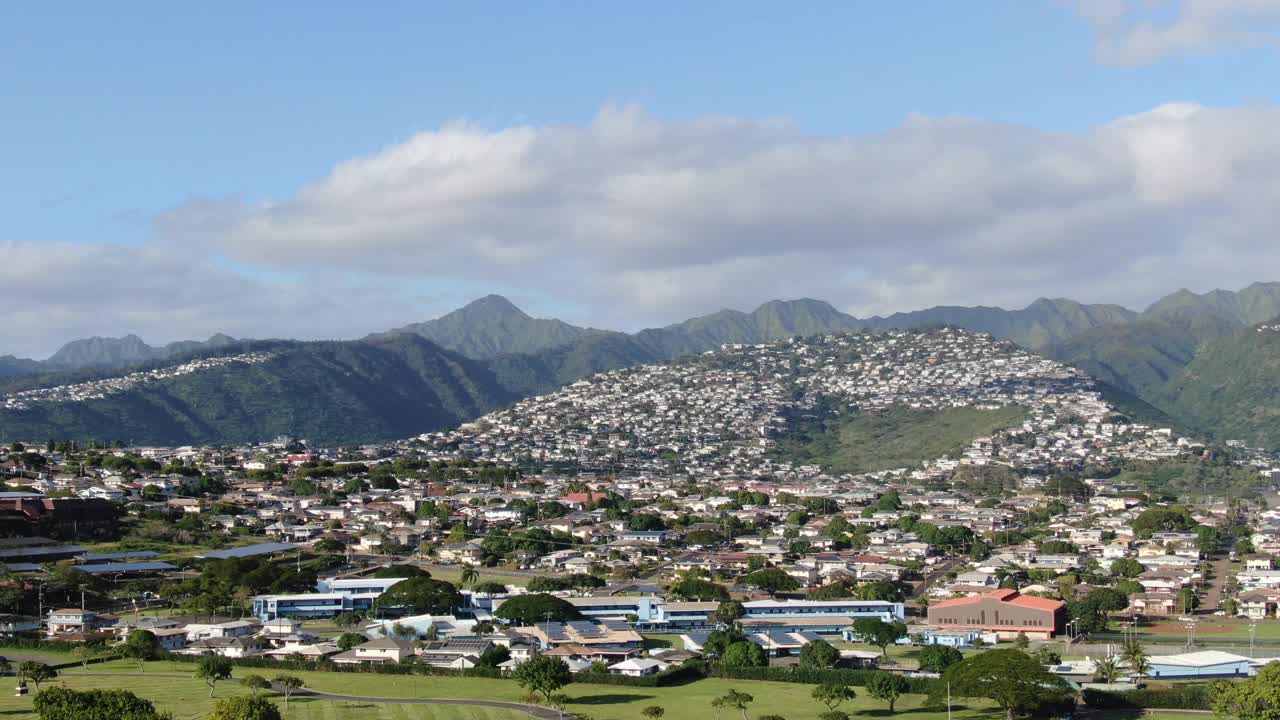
[534, 608]
[422, 596]
[1013, 679]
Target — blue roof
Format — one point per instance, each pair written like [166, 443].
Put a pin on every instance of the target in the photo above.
[104, 557]
[248, 551]
[110, 568]
[32, 552]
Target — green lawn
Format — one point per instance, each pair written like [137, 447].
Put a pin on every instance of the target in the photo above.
[186, 696]
[1209, 629]
[662, 640]
[454, 575]
[898, 437]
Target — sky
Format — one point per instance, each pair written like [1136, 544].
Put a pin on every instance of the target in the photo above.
[326, 170]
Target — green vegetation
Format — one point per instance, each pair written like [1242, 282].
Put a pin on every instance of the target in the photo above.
[183, 694]
[327, 391]
[1232, 389]
[897, 437]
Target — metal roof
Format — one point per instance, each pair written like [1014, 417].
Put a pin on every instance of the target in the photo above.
[112, 568]
[105, 557]
[248, 551]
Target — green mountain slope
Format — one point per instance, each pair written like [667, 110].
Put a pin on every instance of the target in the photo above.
[1039, 325]
[896, 438]
[105, 352]
[1231, 389]
[493, 326]
[331, 392]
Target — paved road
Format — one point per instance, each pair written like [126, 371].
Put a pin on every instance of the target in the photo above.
[1213, 594]
[532, 710]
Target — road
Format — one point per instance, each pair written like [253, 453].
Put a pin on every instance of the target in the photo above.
[1212, 599]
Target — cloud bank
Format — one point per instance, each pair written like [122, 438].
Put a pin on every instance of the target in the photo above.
[643, 221]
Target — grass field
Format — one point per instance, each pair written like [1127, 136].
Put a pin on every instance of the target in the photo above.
[1209, 629]
[899, 437]
[454, 575]
[186, 697]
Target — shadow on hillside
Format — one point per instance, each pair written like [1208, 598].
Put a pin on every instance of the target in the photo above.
[609, 699]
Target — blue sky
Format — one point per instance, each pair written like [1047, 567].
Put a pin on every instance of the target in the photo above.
[117, 114]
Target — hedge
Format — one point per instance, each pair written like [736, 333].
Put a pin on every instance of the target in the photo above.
[1178, 697]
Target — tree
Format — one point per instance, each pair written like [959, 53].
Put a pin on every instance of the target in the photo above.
[255, 683]
[534, 608]
[287, 684]
[886, 686]
[734, 699]
[696, 589]
[1013, 679]
[1126, 568]
[489, 587]
[482, 628]
[1046, 655]
[875, 631]
[832, 694]
[937, 658]
[819, 654]
[654, 712]
[470, 576]
[1256, 699]
[141, 645]
[1136, 657]
[211, 669]
[83, 654]
[421, 596]
[59, 703]
[720, 640]
[771, 580]
[245, 707]
[348, 640]
[36, 673]
[1107, 669]
[1021, 641]
[543, 674]
[728, 613]
[744, 654]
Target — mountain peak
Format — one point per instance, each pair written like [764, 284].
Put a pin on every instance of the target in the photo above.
[492, 305]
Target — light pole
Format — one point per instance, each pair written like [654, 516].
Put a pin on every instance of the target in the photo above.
[1253, 628]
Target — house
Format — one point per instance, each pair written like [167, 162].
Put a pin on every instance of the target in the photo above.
[1003, 612]
[71, 620]
[376, 652]
[454, 653]
[229, 647]
[1259, 604]
[637, 667]
[1154, 603]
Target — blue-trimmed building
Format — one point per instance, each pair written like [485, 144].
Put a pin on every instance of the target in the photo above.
[332, 597]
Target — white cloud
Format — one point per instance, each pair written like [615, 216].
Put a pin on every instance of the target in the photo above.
[647, 221]
[56, 292]
[1137, 32]
[640, 221]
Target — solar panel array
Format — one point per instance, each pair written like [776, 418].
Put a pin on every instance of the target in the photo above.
[586, 629]
[616, 625]
[555, 631]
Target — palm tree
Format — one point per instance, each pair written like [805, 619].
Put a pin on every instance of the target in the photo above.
[470, 576]
[1108, 670]
[1136, 657]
